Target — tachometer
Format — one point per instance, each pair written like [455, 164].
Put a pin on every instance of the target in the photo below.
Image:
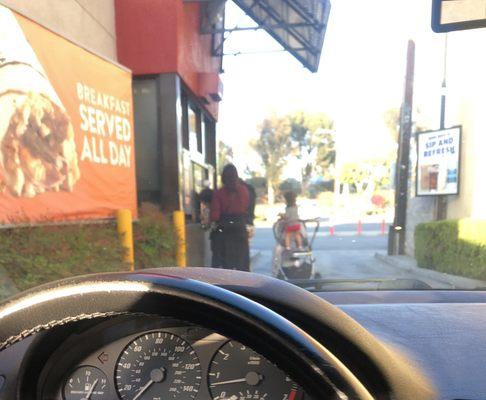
[158, 365]
[239, 373]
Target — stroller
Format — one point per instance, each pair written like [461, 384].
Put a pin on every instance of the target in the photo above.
[294, 264]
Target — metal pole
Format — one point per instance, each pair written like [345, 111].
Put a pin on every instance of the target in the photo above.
[444, 87]
[441, 203]
[396, 243]
[179, 219]
[337, 174]
[125, 233]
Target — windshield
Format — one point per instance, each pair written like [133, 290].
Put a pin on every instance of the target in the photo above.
[335, 146]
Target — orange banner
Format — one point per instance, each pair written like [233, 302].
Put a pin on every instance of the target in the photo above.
[66, 129]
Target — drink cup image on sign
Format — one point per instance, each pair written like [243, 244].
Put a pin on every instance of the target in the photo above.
[37, 148]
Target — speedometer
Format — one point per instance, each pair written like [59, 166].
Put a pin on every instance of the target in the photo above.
[158, 365]
[239, 373]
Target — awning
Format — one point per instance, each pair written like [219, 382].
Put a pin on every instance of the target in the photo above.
[298, 25]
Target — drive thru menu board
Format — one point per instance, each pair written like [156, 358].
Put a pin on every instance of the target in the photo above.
[438, 162]
[66, 128]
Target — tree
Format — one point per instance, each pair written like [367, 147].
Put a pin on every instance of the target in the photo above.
[326, 154]
[225, 156]
[366, 175]
[273, 146]
[391, 118]
[313, 143]
[259, 183]
[392, 122]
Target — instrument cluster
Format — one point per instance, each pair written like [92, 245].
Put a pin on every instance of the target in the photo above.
[162, 360]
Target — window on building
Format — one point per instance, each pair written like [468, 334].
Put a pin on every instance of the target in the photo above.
[193, 128]
[146, 139]
[185, 122]
[210, 141]
[199, 176]
[200, 133]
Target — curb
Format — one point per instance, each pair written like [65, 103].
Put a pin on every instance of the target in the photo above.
[409, 264]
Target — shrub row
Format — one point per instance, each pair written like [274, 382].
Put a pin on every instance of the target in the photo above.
[40, 254]
[454, 246]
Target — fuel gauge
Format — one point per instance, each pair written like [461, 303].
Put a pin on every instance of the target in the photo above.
[86, 383]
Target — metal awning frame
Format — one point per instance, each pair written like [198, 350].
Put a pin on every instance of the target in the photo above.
[279, 23]
[308, 42]
[218, 50]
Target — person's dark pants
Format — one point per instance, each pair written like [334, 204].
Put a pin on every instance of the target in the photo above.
[217, 249]
[231, 248]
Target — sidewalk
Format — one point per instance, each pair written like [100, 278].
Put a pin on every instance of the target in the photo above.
[409, 264]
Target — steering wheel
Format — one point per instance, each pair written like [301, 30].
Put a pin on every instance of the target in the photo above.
[173, 293]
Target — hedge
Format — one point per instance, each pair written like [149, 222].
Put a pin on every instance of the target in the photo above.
[453, 246]
[40, 254]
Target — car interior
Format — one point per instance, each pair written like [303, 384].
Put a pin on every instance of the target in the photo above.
[102, 331]
[200, 333]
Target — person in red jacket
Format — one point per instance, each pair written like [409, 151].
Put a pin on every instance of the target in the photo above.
[229, 213]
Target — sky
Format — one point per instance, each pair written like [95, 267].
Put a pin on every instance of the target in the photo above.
[361, 74]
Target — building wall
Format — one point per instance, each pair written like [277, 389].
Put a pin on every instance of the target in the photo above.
[147, 35]
[466, 106]
[429, 58]
[419, 209]
[91, 23]
[193, 57]
[163, 36]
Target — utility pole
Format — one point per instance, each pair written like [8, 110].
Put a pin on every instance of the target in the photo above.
[396, 241]
[441, 203]
[337, 174]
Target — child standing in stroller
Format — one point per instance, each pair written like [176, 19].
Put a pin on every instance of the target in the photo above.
[293, 262]
[292, 221]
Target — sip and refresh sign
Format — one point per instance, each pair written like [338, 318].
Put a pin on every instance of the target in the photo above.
[438, 162]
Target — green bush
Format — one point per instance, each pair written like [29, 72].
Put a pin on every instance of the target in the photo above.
[454, 246]
[35, 255]
[154, 241]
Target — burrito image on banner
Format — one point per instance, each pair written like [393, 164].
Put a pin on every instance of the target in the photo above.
[37, 148]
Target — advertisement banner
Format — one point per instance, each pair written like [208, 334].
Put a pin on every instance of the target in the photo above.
[66, 129]
[438, 162]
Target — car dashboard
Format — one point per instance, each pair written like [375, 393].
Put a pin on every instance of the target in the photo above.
[140, 356]
[443, 332]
